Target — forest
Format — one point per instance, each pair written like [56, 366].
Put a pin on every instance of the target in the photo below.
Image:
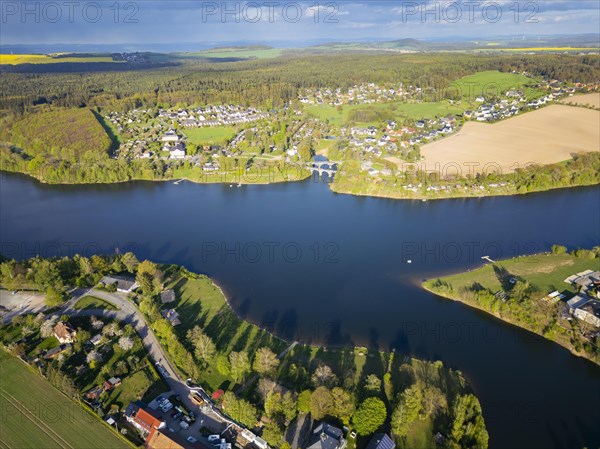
[268, 83]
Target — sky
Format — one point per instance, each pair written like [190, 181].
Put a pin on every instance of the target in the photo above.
[213, 23]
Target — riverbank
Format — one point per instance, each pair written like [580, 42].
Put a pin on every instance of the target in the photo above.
[517, 291]
[75, 177]
[581, 170]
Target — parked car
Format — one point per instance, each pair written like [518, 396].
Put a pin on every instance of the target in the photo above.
[184, 425]
[175, 415]
[214, 438]
[192, 439]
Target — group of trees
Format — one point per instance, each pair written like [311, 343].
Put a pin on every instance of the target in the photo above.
[272, 82]
[53, 275]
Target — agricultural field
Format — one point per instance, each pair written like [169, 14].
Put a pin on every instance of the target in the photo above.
[587, 100]
[46, 59]
[67, 133]
[210, 135]
[546, 136]
[237, 53]
[34, 414]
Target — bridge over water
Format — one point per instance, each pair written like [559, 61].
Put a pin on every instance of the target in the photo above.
[323, 167]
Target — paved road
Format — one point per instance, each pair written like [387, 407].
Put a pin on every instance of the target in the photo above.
[128, 313]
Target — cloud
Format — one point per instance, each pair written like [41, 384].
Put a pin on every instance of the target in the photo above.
[212, 22]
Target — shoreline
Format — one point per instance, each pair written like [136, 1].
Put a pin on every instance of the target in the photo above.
[507, 321]
[342, 191]
[504, 318]
[425, 198]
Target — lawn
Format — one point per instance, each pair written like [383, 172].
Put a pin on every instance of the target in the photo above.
[546, 272]
[91, 302]
[144, 383]
[210, 135]
[45, 59]
[35, 415]
[201, 303]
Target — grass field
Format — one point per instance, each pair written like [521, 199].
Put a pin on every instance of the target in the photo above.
[546, 136]
[237, 53]
[201, 303]
[45, 59]
[546, 272]
[493, 83]
[397, 109]
[210, 135]
[35, 415]
[91, 302]
[470, 87]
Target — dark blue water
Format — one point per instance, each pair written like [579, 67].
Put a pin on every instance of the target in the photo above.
[333, 269]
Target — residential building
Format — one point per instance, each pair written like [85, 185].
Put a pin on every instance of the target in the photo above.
[158, 440]
[64, 333]
[167, 296]
[172, 316]
[381, 441]
[124, 284]
[143, 420]
[112, 383]
[590, 313]
[326, 436]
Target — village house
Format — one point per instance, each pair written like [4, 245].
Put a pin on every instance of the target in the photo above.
[167, 296]
[326, 436]
[96, 339]
[143, 420]
[172, 316]
[381, 441]
[55, 352]
[111, 383]
[170, 136]
[64, 333]
[159, 440]
[124, 284]
[94, 393]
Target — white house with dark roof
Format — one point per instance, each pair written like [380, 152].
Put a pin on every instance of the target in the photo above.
[123, 283]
